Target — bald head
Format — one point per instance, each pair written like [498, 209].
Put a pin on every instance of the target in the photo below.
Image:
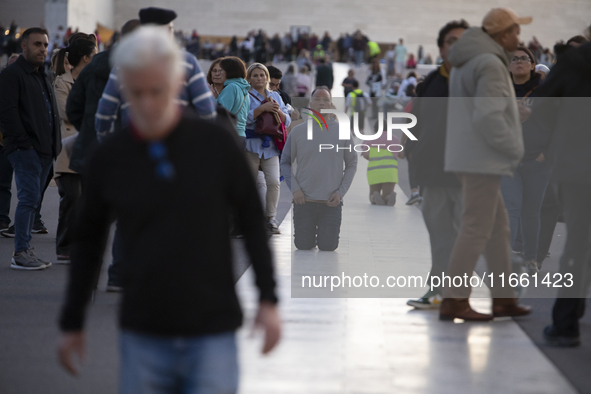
[321, 99]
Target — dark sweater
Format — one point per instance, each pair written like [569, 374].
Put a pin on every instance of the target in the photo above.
[428, 152]
[569, 117]
[324, 75]
[536, 135]
[530, 86]
[177, 270]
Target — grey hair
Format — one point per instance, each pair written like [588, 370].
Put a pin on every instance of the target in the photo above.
[145, 46]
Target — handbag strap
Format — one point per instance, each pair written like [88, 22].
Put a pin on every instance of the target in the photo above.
[242, 105]
[255, 97]
[527, 94]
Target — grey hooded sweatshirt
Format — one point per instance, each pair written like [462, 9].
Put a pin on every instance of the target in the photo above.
[483, 127]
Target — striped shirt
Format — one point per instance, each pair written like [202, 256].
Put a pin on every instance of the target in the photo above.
[196, 91]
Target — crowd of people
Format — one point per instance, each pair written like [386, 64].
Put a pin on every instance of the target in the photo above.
[492, 178]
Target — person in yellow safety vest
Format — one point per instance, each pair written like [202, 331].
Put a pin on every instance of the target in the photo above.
[357, 101]
[374, 49]
[382, 170]
[318, 53]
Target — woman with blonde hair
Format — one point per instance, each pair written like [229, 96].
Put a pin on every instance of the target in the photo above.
[262, 149]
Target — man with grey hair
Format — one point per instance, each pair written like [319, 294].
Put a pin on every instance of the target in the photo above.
[179, 309]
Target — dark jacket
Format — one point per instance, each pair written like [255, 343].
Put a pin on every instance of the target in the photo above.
[196, 296]
[285, 97]
[324, 75]
[428, 152]
[82, 105]
[536, 135]
[530, 86]
[24, 118]
[569, 116]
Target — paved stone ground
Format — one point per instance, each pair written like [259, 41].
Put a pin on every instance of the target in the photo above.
[329, 345]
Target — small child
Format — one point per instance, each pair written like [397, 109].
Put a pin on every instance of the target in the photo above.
[382, 170]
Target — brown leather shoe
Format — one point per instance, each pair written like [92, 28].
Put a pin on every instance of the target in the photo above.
[508, 307]
[459, 308]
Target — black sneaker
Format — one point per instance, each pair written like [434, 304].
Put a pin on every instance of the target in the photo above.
[8, 233]
[273, 227]
[532, 267]
[414, 198]
[4, 226]
[553, 338]
[39, 228]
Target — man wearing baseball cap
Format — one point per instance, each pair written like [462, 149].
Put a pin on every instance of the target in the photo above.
[484, 142]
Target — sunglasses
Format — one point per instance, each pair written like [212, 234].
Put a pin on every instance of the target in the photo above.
[164, 168]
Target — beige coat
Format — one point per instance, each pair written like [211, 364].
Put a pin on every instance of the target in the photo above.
[62, 86]
[483, 128]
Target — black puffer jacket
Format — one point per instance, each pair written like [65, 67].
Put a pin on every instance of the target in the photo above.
[428, 152]
[569, 116]
[82, 104]
[536, 135]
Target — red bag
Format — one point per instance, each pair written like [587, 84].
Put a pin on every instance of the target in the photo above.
[268, 123]
[280, 141]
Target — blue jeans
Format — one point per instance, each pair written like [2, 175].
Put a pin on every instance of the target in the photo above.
[523, 195]
[31, 174]
[316, 223]
[5, 186]
[359, 57]
[169, 365]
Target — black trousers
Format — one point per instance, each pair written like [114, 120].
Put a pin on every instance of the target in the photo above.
[69, 188]
[548, 218]
[47, 182]
[576, 259]
[316, 223]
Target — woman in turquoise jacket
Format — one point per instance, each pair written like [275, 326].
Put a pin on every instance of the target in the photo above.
[234, 96]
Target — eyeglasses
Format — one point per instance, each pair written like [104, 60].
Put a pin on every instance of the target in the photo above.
[451, 40]
[217, 71]
[164, 168]
[524, 59]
